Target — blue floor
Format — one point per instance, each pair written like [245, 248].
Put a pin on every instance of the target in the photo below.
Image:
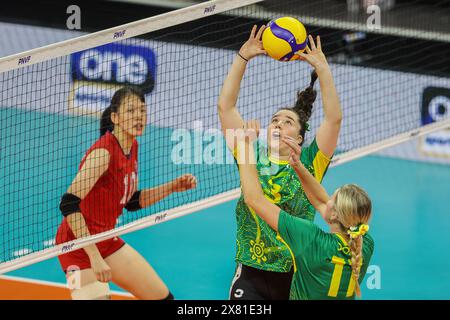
[411, 223]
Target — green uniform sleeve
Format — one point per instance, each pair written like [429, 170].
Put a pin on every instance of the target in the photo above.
[368, 248]
[313, 157]
[296, 232]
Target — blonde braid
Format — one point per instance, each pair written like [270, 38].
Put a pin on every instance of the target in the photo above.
[356, 245]
[354, 208]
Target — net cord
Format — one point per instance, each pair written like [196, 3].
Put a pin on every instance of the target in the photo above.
[121, 32]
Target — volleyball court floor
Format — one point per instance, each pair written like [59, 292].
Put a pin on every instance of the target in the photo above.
[194, 254]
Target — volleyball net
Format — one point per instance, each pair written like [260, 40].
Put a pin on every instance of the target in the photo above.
[51, 98]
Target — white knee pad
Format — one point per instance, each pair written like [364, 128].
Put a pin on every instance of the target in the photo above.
[93, 291]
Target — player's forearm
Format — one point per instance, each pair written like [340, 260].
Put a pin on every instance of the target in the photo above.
[153, 195]
[330, 98]
[314, 191]
[231, 86]
[247, 170]
[251, 188]
[80, 230]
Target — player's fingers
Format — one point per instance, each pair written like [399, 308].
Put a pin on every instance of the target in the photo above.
[293, 145]
[302, 56]
[252, 34]
[248, 130]
[311, 41]
[188, 176]
[108, 276]
[288, 138]
[260, 32]
[319, 44]
[292, 156]
[308, 49]
[256, 126]
[100, 276]
[250, 126]
[288, 142]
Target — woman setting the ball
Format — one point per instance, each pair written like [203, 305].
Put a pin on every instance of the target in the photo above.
[264, 263]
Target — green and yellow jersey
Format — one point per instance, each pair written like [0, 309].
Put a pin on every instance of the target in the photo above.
[322, 260]
[258, 245]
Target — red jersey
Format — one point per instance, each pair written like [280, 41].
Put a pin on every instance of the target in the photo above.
[105, 202]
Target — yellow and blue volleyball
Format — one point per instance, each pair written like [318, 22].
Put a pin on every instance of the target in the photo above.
[283, 37]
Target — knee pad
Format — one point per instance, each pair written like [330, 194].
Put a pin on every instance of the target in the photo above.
[93, 291]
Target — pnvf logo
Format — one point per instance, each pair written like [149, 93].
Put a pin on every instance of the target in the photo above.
[160, 217]
[116, 64]
[24, 60]
[67, 248]
[119, 34]
[436, 107]
[209, 9]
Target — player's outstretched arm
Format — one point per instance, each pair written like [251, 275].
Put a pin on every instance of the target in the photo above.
[328, 132]
[315, 192]
[251, 187]
[152, 195]
[229, 115]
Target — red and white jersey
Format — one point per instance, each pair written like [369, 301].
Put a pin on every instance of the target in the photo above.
[105, 202]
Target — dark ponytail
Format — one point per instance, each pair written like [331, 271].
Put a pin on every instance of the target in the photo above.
[304, 104]
[106, 123]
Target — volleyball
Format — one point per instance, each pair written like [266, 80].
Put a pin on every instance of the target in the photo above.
[283, 37]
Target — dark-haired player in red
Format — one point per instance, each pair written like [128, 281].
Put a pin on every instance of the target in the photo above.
[105, 184]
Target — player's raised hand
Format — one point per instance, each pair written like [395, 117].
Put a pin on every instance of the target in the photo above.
[184, 183]
[253, 46]
[250, 131]
[314, 55]
[296, 150]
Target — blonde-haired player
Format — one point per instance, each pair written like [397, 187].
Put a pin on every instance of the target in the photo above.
[328, 265]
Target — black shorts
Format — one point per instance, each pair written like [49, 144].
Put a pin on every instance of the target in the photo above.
[254, 284]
